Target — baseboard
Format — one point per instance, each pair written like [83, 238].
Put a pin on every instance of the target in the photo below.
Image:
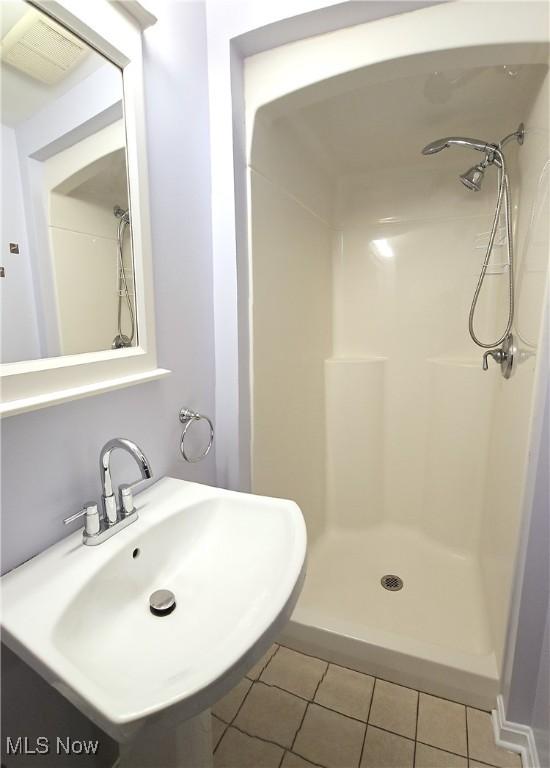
[515, 737]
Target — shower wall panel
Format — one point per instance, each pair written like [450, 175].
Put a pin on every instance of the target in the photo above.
[512, 411]
[403, 281]
[292, 328]
[459, 420]
[82, 236]
[355, 441]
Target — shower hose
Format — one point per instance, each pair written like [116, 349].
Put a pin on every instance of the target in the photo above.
[123, 283]
[503, 195]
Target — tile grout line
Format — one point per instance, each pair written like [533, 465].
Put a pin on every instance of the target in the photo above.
[265, 666]
[252, 682]
[309, 701]
[318, 703]
[230, 724]
[225, 727]
[259, 738]
[307, 705]
[467, 737]
[482, 763]
[367, 723]
[447, 751]
[416, 727]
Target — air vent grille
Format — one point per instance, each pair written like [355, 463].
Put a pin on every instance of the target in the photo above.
[42, 49]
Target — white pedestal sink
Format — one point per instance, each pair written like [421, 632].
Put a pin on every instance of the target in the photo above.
[80, 615]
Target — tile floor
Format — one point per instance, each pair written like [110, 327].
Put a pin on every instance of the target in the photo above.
[296, 711]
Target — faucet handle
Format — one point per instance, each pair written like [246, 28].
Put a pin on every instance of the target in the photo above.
[126, 492]
[91, 523]
[126, 499]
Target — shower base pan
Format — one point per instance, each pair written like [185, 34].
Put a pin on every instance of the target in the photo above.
[431, 634]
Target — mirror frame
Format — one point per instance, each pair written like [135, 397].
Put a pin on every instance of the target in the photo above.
[32, 384]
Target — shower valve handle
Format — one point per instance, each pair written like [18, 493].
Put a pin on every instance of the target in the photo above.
[497, 354]
[504, 356]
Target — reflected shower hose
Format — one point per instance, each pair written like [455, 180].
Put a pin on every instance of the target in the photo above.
[122, 281]
[503, 195]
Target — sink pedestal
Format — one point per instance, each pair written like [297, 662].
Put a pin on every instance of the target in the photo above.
[188, 745]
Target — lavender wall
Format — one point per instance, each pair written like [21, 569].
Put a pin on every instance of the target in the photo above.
[528, 696]
[540, 720]
[50, 457]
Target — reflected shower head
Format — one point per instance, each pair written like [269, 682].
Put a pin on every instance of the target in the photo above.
[473, 178]
[461, 141]
[120, 213]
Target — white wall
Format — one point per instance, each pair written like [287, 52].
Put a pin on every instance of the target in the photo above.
[19, 339]
[49, 457]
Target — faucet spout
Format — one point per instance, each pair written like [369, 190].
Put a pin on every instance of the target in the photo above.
[109, 501]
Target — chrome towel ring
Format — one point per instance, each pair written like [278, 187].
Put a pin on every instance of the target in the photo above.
[187, 417]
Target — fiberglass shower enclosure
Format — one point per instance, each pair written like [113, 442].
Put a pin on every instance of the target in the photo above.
[369, 404]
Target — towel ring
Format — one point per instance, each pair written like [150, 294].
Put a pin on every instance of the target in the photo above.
[187, 417]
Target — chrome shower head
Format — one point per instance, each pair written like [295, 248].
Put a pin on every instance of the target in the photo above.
[473, 178]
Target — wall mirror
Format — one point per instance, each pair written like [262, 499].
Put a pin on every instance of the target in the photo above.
[68, 284]
[74, 264]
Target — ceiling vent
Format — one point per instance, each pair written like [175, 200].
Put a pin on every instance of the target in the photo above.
[41, 48]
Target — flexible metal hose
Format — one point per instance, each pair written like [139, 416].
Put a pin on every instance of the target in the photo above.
[122, 281]
[503, 195]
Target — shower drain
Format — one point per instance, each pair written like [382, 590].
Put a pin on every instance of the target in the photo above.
[391, 582]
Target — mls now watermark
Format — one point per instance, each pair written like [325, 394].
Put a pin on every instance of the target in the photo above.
[42, 745]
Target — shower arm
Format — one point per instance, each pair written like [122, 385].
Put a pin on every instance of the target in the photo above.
[519, 135]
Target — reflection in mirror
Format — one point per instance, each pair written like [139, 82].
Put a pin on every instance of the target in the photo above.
[68, 268]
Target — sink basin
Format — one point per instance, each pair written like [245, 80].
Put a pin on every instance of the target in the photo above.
[80, 615]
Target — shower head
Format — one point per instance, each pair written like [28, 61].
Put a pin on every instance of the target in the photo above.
[473, 178]
[461, 141]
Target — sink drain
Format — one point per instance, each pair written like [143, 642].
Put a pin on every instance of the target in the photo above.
[162, 602]
[392, 582]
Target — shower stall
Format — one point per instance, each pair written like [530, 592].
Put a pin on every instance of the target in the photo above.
[369, 403]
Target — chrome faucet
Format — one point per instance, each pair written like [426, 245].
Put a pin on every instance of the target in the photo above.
[126, 506]
[114, 517]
